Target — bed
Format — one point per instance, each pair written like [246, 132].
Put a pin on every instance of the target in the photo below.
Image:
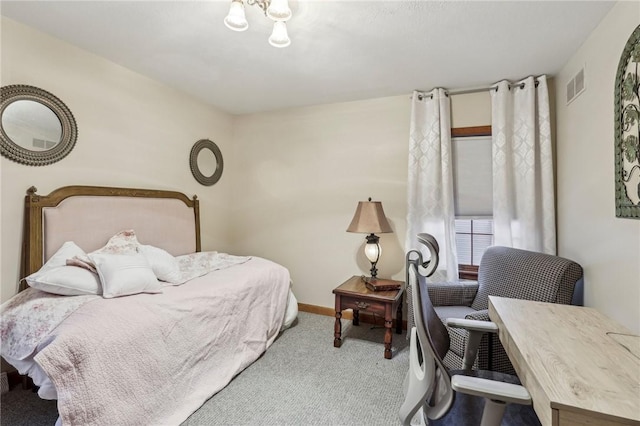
[113, 355]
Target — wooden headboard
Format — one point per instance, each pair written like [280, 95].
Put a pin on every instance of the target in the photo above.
[90, 215]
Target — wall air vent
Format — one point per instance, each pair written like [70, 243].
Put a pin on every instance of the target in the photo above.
[575, 86]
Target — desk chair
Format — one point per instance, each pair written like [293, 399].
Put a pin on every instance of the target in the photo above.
[454, 397]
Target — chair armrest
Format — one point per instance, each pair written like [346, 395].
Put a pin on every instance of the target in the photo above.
[476, 329]
[482, 315]
[491, 389]
[456, 293]
[472, 325]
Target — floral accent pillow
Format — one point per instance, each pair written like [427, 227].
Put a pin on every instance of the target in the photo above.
[124, 242]
[82, 262]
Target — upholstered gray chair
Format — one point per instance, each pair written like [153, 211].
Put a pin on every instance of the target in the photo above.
[505, 272]
[454, 398]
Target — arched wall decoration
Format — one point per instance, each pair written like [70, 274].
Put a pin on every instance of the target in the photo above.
[193, 162]
[627, 129]
[22, 121]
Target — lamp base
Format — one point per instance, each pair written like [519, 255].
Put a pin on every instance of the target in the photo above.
[372, 251]
[373, 271]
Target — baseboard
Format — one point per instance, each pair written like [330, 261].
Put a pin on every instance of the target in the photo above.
[346, 314]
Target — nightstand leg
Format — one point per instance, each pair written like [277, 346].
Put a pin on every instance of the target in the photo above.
[399, 318]
[337, 335]
[356, 317]
[388, 335]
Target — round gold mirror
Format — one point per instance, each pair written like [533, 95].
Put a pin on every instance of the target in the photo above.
[36, 128]
[206, 162]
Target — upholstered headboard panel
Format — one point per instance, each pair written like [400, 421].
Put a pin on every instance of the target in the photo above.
[90, 215]
[91, 221]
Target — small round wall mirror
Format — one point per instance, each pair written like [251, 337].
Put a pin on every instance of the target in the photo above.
[206, 162]
[36, 128]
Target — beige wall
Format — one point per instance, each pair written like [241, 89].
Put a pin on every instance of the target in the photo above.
[301, 173]
[299, 177]
[588, 231]
[472, 109]
[132, 132]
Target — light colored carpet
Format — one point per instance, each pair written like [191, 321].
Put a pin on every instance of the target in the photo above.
[301, 380]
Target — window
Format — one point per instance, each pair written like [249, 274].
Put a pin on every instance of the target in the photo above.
[473, 236]
[473, 196]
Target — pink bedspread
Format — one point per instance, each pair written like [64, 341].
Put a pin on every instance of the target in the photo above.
[153, 359]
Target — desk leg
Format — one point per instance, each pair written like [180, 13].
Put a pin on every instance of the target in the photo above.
[388, 335]
[356, 317]
[337, 329]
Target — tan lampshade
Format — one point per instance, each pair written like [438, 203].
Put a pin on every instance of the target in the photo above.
[369, 219]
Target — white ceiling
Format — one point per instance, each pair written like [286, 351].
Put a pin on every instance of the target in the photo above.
[340, 50]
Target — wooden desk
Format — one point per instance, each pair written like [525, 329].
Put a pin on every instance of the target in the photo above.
[572, 361]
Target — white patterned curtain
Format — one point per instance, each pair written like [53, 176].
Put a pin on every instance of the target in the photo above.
[430, 192]
[523, 192]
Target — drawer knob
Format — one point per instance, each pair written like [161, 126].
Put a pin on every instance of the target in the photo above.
[362, 305]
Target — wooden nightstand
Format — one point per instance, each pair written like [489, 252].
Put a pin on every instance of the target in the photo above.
[353, 294]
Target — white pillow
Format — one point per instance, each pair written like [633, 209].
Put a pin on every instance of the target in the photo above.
[125, 274]
[165, 266]
[57, 278]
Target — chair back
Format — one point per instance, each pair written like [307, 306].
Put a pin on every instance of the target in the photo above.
[528, 275]
[433, 340]
[427, 268]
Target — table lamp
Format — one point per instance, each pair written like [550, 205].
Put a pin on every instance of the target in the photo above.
[370, 219]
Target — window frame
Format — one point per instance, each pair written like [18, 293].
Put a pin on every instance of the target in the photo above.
[469, 272]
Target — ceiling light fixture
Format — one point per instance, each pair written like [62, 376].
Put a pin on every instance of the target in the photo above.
[276, 10]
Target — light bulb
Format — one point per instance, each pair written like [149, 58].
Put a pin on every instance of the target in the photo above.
[279, 36]
[236, 20]
[279, 10]
[372, 251]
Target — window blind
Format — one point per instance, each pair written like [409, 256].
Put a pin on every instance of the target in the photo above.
[472, 177]
[473, 237]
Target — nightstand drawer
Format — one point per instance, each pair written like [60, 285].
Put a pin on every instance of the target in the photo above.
[362, 305]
